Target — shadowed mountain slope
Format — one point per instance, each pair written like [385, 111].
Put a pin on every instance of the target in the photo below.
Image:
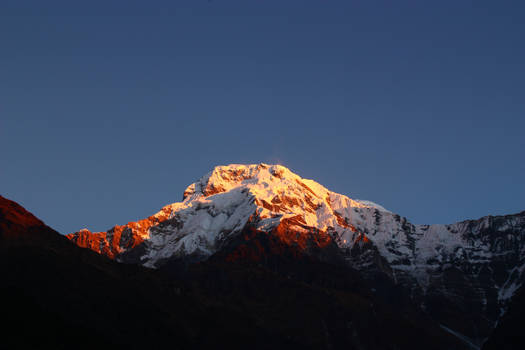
[62, 296]
[509, 334]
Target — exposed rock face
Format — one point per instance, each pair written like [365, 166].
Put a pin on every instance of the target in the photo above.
[120, 239]
[462, 274]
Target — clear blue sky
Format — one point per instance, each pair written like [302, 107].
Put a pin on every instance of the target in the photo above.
[109, 109]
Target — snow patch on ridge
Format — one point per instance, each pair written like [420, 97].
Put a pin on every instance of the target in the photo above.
[372, 205]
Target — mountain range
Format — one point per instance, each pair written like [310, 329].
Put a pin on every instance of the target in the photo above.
[274, 260]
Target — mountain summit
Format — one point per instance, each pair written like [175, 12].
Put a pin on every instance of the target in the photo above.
[462, 274]
[222, 203]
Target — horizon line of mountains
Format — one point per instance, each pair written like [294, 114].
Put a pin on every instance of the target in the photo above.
[311, 268]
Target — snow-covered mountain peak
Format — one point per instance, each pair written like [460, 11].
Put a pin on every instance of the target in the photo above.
[263, 181]
[225, 178]
[221, 204]
[484, 257]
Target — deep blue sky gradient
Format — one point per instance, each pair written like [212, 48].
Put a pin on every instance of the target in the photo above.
[109, 109]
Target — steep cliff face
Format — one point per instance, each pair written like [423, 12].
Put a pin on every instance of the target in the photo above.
[462, 274]
[119, 239]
